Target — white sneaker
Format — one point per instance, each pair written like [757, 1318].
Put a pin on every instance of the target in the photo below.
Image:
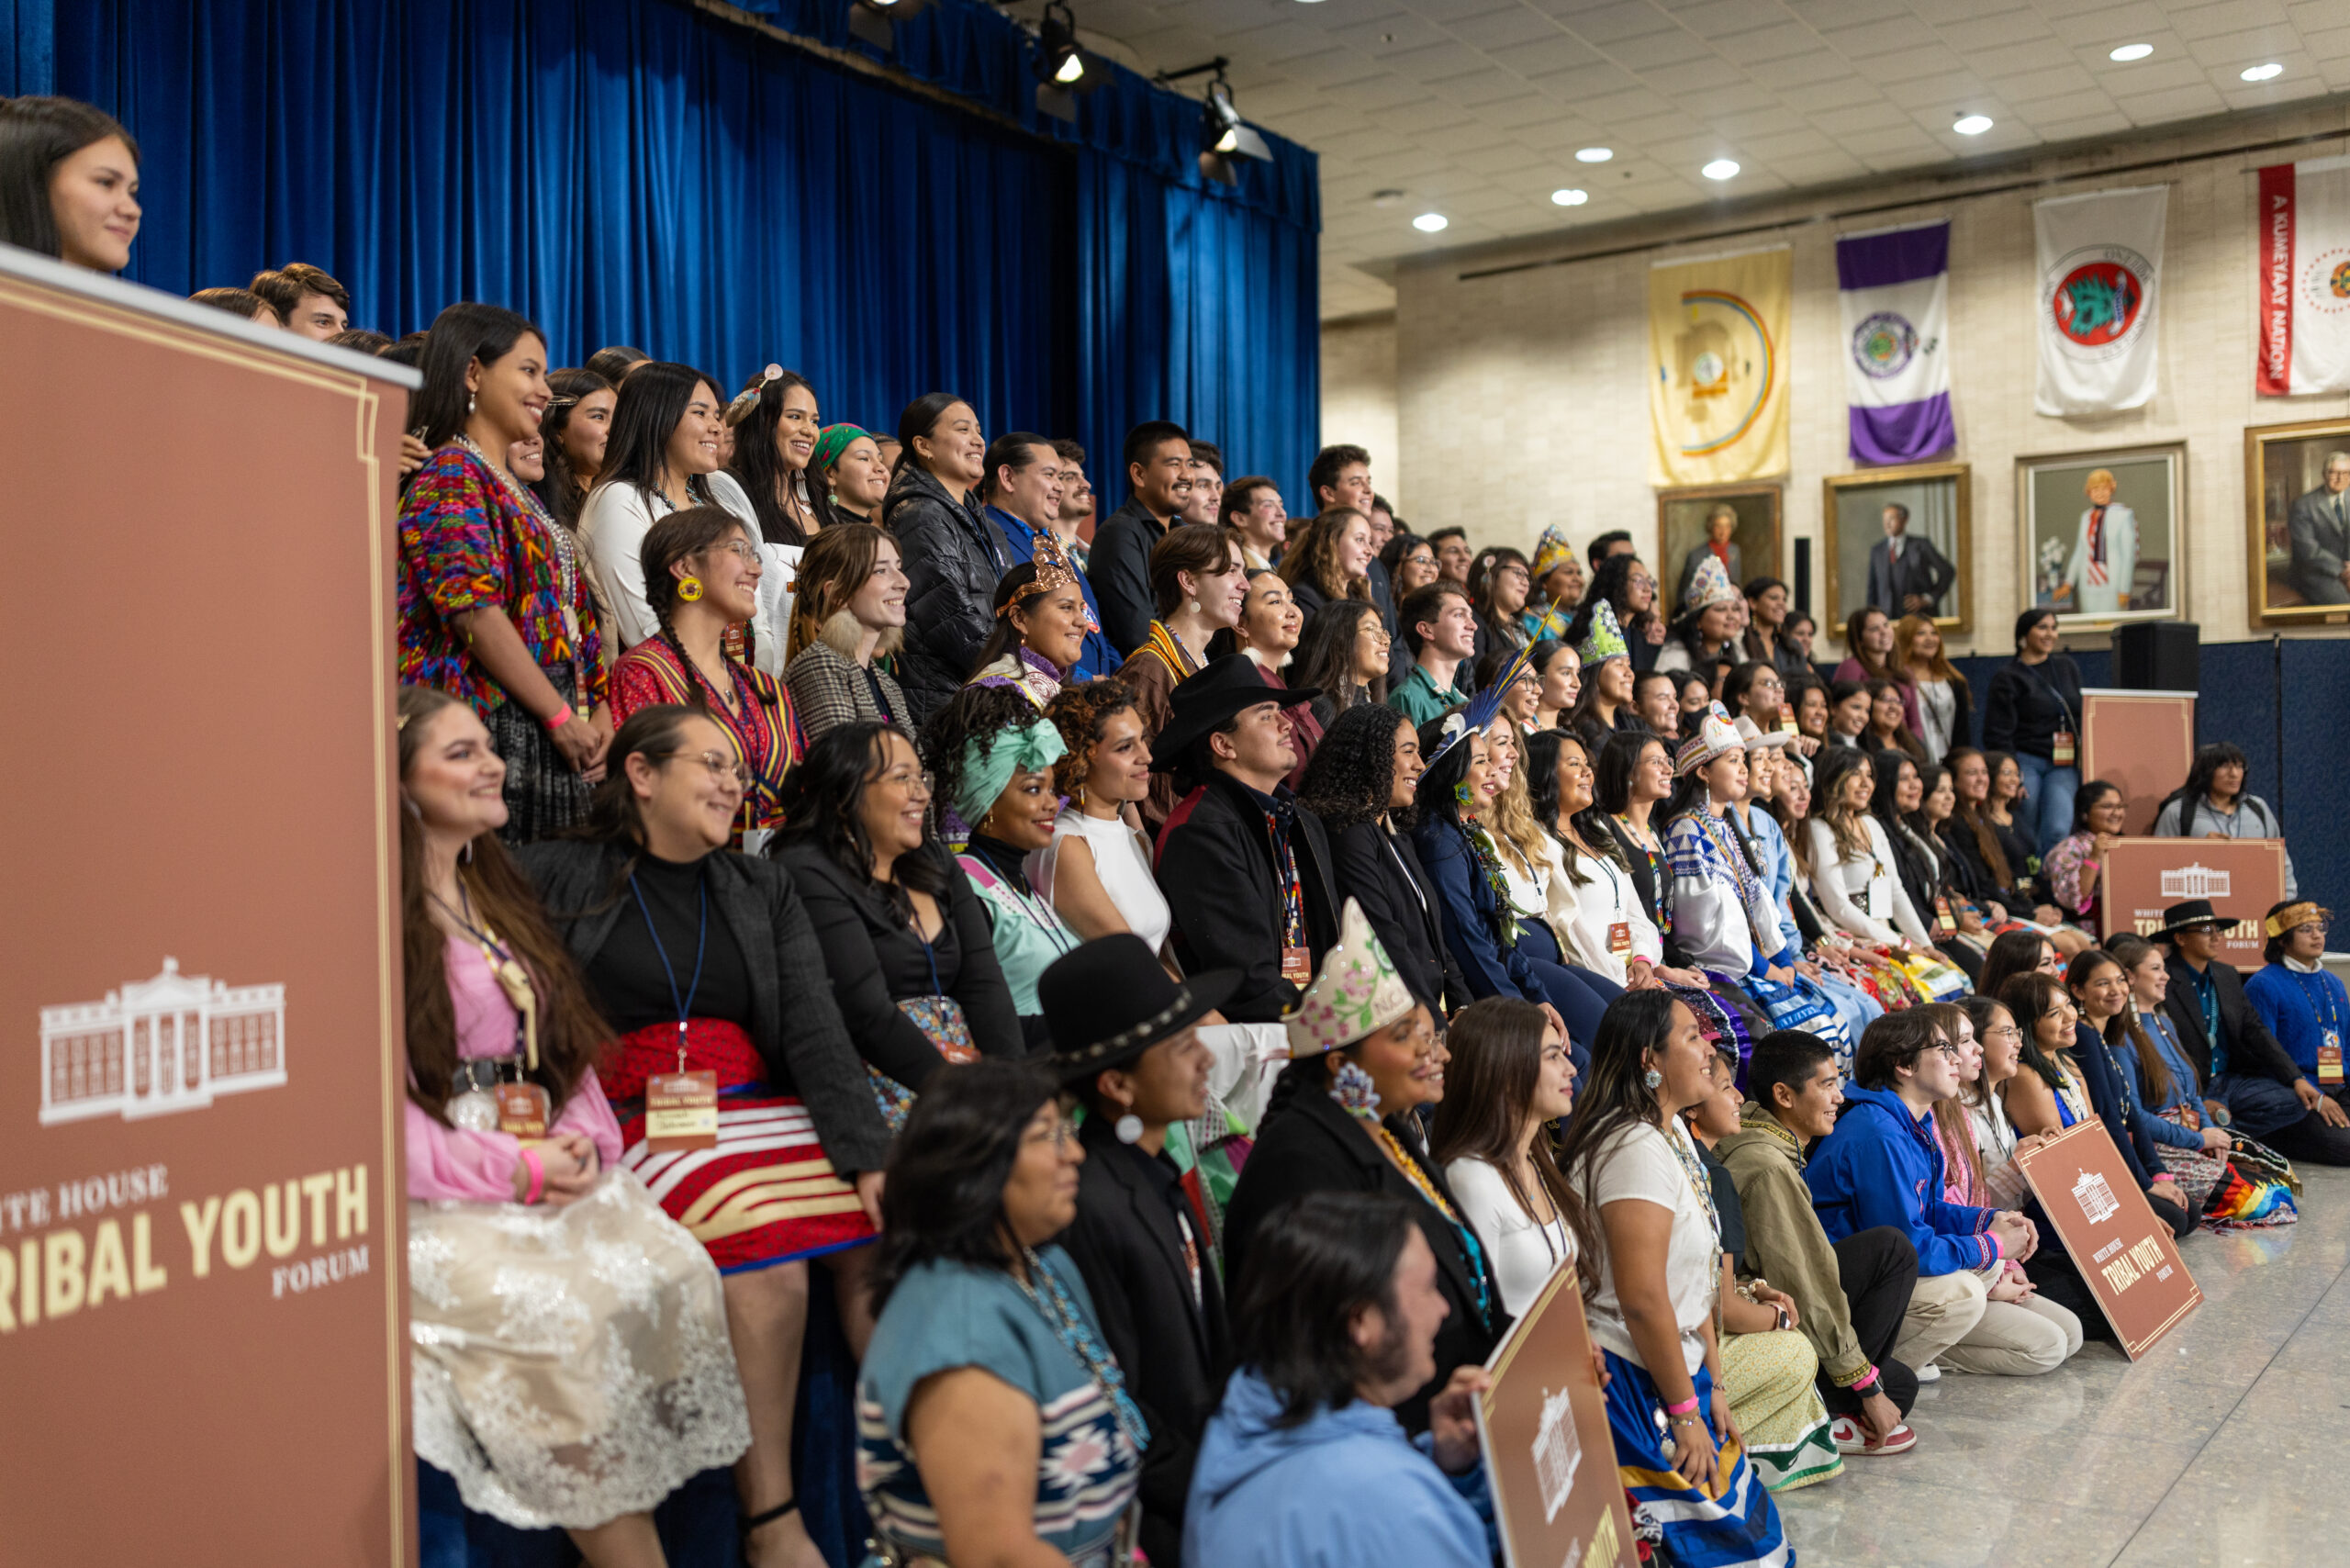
[1930, 1373]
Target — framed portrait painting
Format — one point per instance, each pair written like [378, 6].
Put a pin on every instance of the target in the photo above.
[2297, 517]
[1691, 520]
[2102, 534]
[1900, 539]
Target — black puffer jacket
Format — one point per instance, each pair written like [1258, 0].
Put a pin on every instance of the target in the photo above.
[954, 557]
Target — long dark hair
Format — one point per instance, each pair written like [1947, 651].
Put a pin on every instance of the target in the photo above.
[1855, 650]
[1619, 758]
[461, 334]
[1611, 1099]
[1541, 767]
[919, 417]
[570, 1032]
[652, 401]
[2130, 950]
[1975, 821]
[2123, 1026]
[36, 134]
[758, 464]
[1609, 582]
[562, 490]
[2029, 998]
[1312, 554]
[1316, 1262]
[1496, 1046]
[1016, 589]
[822, 805]
[2092, 795]
[1481, 572]
[1902, 737]
[1325, 659]
[1351, 775]
[2209, 760]
[2011, 953]
[942, 1200]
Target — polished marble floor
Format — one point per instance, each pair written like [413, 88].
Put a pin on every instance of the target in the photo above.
[2228, 1445]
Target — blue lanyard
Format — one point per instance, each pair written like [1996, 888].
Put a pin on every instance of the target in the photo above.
[701, 945]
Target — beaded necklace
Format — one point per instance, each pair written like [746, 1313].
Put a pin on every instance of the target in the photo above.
[1069, 1327]
[1480, 849]
[1418, 1178]
[1684, 1150]
[565, 555]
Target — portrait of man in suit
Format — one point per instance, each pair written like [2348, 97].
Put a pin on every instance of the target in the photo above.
[2318, 530]
[1906, 576]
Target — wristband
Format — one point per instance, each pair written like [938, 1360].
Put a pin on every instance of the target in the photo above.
[1684, 1407]
[558, 718]
[538, 1176]
[1866, 1381]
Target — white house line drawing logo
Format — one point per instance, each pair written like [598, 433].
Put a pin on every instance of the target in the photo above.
[2096, 1197]
[2198, 881]
[160, 1046]
[1558, 1453]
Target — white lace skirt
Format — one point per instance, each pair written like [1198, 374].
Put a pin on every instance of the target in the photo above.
[571, 1365]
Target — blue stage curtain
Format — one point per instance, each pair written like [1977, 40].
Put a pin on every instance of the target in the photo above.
[633, 171]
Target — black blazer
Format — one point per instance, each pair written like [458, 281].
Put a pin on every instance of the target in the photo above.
[793, 1022]
[1381, 871]
[1215, 866]
[1126, 1243]
[1308, 1145]
[874, 958]
[2252, 1050]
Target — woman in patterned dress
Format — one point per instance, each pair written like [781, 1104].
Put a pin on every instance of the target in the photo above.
[494, 604]
[701, 577]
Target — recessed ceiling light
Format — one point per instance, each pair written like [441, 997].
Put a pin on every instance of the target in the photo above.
[1972, 125]
[1719, 169]
[2262, 72]
[2130, 52]
[1570, 197]
[1430, 222]
[1594, 154]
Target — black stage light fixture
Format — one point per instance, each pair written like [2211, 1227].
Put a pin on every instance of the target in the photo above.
[1062, 67]
[1224, 136]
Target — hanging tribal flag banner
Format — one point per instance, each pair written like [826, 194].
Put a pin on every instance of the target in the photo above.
[2305, 277]
[1717, 367]
[1894, 287]
[2101, 262]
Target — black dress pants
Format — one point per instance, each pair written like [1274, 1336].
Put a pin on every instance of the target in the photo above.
[2311, 1142]
[1878, 1269]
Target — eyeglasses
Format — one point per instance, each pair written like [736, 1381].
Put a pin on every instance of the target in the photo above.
[741, 549]
[903, 778]
[1060, 1134]
[1949, 1054]
[724, 766]
[2007, 1032]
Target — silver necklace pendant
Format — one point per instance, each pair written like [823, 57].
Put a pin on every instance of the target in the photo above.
[475, 1111]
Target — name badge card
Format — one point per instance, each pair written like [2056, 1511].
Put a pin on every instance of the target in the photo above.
[1619, 938]
[681, 1111]
[1297, 966]
[2061, 750]
[522, 1110]
[2329, 1058]
[1880, 897]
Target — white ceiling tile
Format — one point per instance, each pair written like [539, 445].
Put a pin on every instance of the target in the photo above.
[1658, 52]
[1861, 120]
[1888, 35]
[1802, 71]
[1533, 108]
[1915, 65]
[2178, 103]
[1991, 32]
[2141, 21]
[1826, 14]
[1554, 53]
[2111, 124]
[2332, 44]
[1776, 41]
[2224, 16]
[1441, 62]
[1606, 25]
[1505, 33]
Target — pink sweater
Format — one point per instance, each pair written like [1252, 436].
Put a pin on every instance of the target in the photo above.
[451, 1162]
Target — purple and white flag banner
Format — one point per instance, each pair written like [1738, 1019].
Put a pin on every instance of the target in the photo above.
[1894, 287]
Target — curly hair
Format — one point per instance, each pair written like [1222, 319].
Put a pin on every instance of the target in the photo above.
[1080, 712]
[1352, 776]
[974, 713]
[1312, 552]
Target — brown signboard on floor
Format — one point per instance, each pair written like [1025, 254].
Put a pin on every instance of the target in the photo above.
[2124, 1252]
[202, 1303]
[1549, 1455]
[2244, 878]
[2143, 741]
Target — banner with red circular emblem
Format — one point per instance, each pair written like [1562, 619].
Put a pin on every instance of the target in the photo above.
[2100, 262]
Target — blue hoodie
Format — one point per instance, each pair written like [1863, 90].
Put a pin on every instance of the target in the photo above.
[1882, 1166]
[1342, 1489]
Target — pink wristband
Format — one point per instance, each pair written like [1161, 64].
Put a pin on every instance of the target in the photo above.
[1866, 1381]
[558, 718]
[1684, 1407]
[538, 1176]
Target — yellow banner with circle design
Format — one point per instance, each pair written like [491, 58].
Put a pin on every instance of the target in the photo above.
[1717, 367]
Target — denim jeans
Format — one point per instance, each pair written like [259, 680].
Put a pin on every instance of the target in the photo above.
[2048, 793]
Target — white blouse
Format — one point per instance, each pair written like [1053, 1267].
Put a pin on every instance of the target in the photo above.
[1842, 886]
[1525, 1254]
[613, 525]
[1121, 862]
[1583, 911]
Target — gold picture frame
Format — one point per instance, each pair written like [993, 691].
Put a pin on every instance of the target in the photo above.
[1940, 501]
[1681, 514]
[2283, 466]
[2052, 506]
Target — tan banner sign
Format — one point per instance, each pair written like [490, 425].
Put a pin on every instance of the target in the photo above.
[2125, 1253]
[1549, 1456]
[201, 1291]
[2143, 741]
[2244, 878]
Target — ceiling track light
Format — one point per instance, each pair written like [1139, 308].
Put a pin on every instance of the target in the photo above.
[1062, 67]
[875, 21]
[1224, 135]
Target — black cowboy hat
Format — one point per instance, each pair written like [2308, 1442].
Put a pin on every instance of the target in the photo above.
[2187, 916]
[1108, 1001]
[1210, 698]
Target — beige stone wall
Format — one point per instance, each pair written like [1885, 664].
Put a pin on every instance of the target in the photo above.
[1522, 397]
[1358, 389]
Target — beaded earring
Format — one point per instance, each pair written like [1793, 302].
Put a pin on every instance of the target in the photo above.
[1355, 1091]
[1461, 794]
[689, 589]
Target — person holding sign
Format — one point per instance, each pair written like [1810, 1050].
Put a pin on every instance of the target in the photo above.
[1653, 1269]
[1304, 1465]
[510, 1143]
[2303, 1006]
[747, 1106]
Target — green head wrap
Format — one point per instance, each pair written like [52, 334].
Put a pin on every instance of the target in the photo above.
[830, 443]
[989, 764]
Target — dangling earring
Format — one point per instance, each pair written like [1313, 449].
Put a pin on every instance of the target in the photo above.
[1653, 1079]
[466, 853]
[1355, 1091]
[1194, 607]
[1128, 1128]
[469, 402]
[689, 589]
[1463, 794]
